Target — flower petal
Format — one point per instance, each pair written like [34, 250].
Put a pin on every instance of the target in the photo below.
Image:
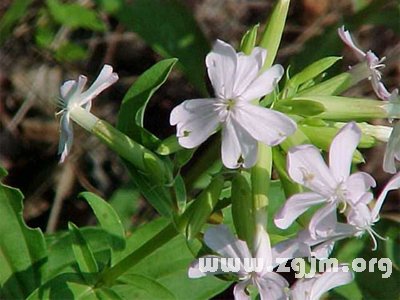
[196, 120]
[357, 186]
[272, 286]
[295, 206]
[67, 88]
[103, 81]
[342, 149]
[323, 222]
[195, 269]
[329, 280]
[360, 216]
[262, 250]
[392, 150]
[291, 248]
[306, 166]
[221, 240]
[263, 84]
[221, 66]
[323, 250]
[265, 125]
[230, 148]
[236, 144]
[247, 70]
[239, 291]
[346, 38]
[393, 184]
[66, 136]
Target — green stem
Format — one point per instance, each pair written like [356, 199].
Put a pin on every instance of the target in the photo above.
[202, 164]
[260, 180]
[109, 276]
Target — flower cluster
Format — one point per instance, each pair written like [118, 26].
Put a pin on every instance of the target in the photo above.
[374, 65]
[346, 205]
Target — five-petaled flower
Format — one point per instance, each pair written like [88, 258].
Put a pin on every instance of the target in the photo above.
[238, 79]
[373, 62]
[313, 288]
[331, 185]
[72, 96]
[270, 285]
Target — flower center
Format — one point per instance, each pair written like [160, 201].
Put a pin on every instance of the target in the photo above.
[224, 107]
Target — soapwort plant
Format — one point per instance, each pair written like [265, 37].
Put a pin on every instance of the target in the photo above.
[263, 189]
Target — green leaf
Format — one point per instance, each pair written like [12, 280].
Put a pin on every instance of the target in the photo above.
[180, 193]
[170, 29]
[249, 40]
[277, 199]
[62, 259]
[242, 208]
[70, 286]
[131, 113]
[110, 6]
[107, 218]
[12, 16]
[272, 35]
[125, 202]
[75, 15]
[23, 253]
[201, 208]
[169, 265]
[82, 252]
[157, 195]
[313, 70]
[392, 245]
[68, 52]
[135, 286]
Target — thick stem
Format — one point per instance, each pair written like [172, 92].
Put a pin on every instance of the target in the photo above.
[161, 238]
[260, 180]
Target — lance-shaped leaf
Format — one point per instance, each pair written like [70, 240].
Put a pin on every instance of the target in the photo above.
[180, 193]
[70, 286]
[170, 29]
[197, 214]
[82, 251]
[242, 208]
[23, 253]
[135, 286]
[131, 114]
[273, 31]
[249, 40]
[108, 220]
[311, 71]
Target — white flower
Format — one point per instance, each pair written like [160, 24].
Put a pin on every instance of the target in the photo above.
[369, 57]
[362, 217]
[331, 185]
[270, 285]
[314, 288]
[72, 96]
[237, 80]
[392, 152]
